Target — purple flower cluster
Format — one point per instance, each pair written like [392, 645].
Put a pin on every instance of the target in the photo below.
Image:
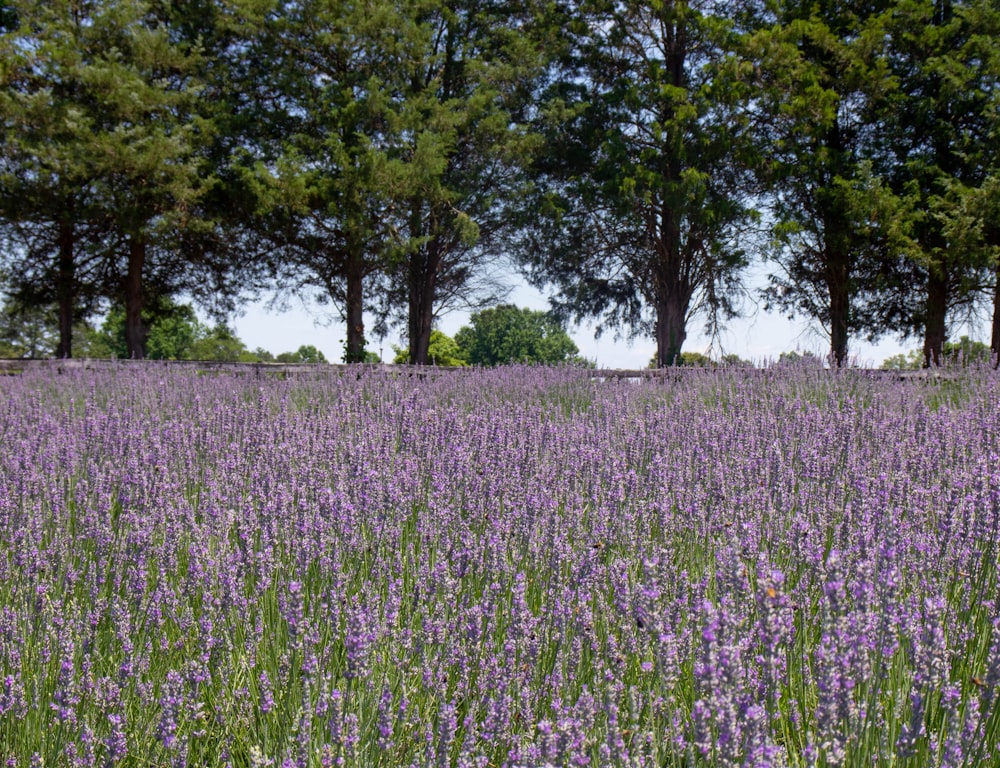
[515, 567]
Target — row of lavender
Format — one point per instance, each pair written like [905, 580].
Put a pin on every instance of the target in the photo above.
[518, 567]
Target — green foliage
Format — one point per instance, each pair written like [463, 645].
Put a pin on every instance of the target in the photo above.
[220, 343]
[940, 126]
[696, 359]
[172, 330]
[735, 361]
[468, 71]
[375, 155]
[963, 352]
[362, 356]
[27, 332]
[32, 331]
[260, 355]
[642, 191]
[390, 152]
[307, 353]
[111, 171]
[443, 350]
[508, 334]
[801, 360]
[838, 226]
[910, 361]
[175, 333]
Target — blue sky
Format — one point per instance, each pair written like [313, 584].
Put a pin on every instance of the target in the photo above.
[762, 335]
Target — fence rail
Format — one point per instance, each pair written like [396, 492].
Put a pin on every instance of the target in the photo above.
[11, 366]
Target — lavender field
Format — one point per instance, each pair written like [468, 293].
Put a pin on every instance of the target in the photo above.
[517, 567]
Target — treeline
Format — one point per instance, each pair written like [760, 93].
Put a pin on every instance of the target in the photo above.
[396, 158]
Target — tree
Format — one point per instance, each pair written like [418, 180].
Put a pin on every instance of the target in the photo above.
[174, 332]
[220, 343]
[387, 141]
[468, 69]
[966, 352]
[837, 225]
[940, 130]
[508, 334]
[26, 331]
[911, 361]
[307, 353]
[798, 359]
[443, 350]
[732, 360]
[50, 228]
[642, 190]
[693, 360]
[171, 330]
[326, 133]
[106, 147]
[963, 352]
[981, 225]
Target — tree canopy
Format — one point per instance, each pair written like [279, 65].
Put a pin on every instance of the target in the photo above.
[399, 158]
[509, 334]
[644, 189]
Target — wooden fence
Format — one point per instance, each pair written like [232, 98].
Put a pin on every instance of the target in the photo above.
[258, 370]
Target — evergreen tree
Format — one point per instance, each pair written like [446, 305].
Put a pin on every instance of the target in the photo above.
[105, 155]
[940, 127]
[468, 70]
[326, 132]
[641, 210]
[51, 227]
[838, 227]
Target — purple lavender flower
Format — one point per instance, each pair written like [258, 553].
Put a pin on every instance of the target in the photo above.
[172, 701]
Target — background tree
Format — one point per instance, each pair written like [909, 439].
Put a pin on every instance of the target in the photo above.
[508, 334]
[306, 353]
[643, 187]
[26, 331]
[171, 330]
[174, 332]
[904, 361]
[443, 350]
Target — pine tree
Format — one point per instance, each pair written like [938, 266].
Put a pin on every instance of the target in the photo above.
[468, 70]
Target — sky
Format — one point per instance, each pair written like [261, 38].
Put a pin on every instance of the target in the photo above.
[759, 337]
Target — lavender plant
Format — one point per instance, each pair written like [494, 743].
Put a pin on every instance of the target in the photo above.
[513, 567]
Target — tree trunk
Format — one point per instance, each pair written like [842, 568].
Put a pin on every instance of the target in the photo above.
[937, 309]
[65, 289]
[425, 263]
[424, 267]
[671, 329]
[354, 310]
[837, 255]
[840, 307]
[135, 333]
